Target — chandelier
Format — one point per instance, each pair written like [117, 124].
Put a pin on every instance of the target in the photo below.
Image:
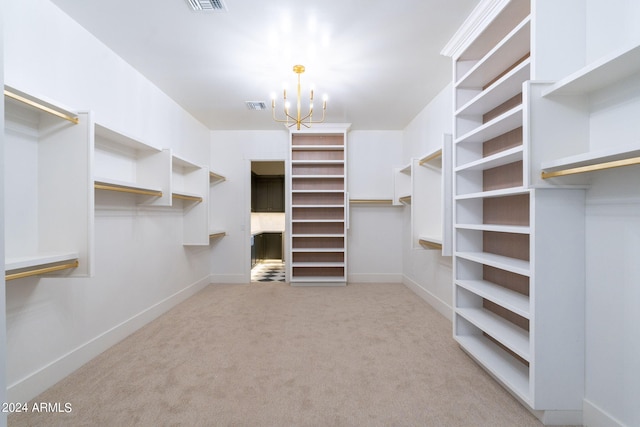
[298, 120]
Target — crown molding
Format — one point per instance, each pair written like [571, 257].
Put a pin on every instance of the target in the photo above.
[476, 22]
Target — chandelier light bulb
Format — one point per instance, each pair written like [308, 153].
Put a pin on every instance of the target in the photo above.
[298, 119]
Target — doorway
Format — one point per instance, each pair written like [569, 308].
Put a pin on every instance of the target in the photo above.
[267, 221]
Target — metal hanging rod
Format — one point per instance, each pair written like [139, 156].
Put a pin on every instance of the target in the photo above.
[41, 107]
[591, 168]
[185, 197]
[371, 201]
[43, 270]
[123, 189]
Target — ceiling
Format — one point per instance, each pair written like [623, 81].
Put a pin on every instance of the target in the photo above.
[378, 61]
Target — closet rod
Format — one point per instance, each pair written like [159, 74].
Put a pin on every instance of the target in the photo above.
[591, 168]
[371, 201]
[217, 177]
[42, 270]
[41, 107]
[430, 157]
[216, 235]
[110, 187]
[185, 197]
[429, 245]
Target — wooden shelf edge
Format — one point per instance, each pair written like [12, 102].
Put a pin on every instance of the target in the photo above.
[591, 168]
[217, 234]
[216, 177]
[384, 202]
[430, 157]
[187, 197]
[429, 243]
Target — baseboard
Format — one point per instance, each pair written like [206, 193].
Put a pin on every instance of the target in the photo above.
[229, 278]
[375, 278]
[593, 416]
[441, 306]
[40, 380]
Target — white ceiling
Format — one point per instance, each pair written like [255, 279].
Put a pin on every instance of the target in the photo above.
[378, 61]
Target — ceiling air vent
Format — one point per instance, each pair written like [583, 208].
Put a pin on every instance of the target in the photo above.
[208, 5]
[256, 105]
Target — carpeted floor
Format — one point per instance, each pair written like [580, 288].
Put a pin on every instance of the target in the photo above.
[268, 354]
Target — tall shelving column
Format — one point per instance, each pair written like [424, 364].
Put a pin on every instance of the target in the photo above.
[518, 303]
[318, 210]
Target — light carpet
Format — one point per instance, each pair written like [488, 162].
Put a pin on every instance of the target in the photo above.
[269, 354]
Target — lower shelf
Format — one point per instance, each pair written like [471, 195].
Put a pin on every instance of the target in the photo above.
[500, 364]
[318, 281]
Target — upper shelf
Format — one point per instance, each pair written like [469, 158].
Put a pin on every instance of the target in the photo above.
[39, 104]
[432, 159]
[601, 73]
[122, 139]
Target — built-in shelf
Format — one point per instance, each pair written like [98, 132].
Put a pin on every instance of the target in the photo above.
[433, 159]
[502, 124]
[188, 197]
[511, 336]
[215, 177]
[599, 74]
[504, 88]
[381, 202]
[493, 193]
[499, 159]
[591, 161]
[316, 147]
[125, 187]
[430, 242]
[27, 266]
[315, 250]
[511, 300]
[497, 228]
[217, 234]
[513, 47]
[39, 104]
[406, 169]
[503, 366]
[513, 265]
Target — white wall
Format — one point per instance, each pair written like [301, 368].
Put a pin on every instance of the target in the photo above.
[612, 386]
[3, 317]
[231, 156]
[141, 267]
[371, 155]
[427, 272]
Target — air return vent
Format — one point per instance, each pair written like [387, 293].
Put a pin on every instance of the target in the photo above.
[208, 5]
[256, 105]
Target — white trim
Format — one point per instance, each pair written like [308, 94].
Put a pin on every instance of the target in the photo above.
[477, 21]
[35, 383]
[441, 306]
[593, 416]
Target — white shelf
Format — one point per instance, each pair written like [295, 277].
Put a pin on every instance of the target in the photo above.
[601, 73]
[593, 160]
[317, 264]
[513, 47]
[316, 147]
[317, 176]
[187, 196]
[101, 183]
[317, 220]
[317, 206]
[513, 265]
[317, 162]
[511, 336]
[17, 263]
[180, 162]
[502, 124]
[499, 159]
[494, 193]
[318, 191]
[406, 169]
[318, 235]
[505, 88]
[498, 362]
[325, 250]
[511, 300]
[493, 227]
[216, 177]
[122, 139]
[217, 233]
[430, 242]
[433, 159]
